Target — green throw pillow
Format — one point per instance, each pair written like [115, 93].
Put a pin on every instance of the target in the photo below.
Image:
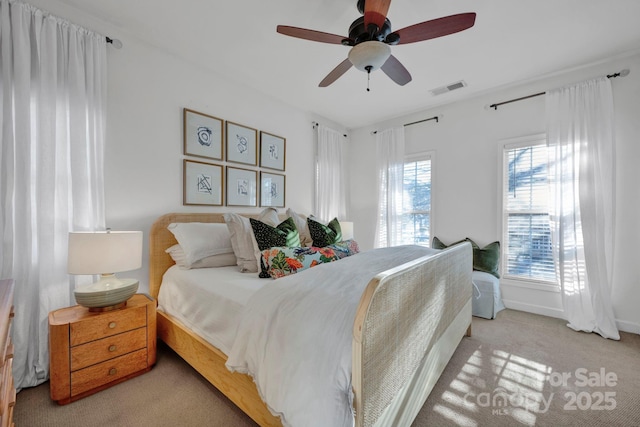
[285, 234]
[485, 259]
[324, 235]
[437, 243]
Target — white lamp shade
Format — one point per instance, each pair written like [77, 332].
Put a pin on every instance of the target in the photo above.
[369, 54]
[104, 252]
[347, 230]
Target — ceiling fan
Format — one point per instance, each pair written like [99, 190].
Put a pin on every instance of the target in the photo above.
[370, 37]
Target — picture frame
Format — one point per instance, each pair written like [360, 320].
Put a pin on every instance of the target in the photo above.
[202, 135]
[272, 189]
[202, 183]
[242, 144]
[272, 151]
[242, 189]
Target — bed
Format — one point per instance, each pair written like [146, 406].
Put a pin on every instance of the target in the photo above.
[423, 304]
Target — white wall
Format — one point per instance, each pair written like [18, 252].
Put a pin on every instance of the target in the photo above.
[147, 90]
[466, 176]
[143, 166]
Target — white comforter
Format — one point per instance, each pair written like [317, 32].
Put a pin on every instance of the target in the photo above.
[295, 337]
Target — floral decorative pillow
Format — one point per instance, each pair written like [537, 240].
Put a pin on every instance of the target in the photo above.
[284, 234]
[283, 261]
[345, 248]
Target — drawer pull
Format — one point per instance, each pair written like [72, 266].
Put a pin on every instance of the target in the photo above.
[112, 347]
[112, 325]
[113, 371]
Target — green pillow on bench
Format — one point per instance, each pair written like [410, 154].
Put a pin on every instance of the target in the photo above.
[485, 259]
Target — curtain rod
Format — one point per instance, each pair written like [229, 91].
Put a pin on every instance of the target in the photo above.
[317, 124]
[436, 118]
[495, 106]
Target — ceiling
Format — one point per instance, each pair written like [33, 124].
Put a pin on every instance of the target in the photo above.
[511, 41]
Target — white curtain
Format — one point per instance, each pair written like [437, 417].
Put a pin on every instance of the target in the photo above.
[330, 177]
[52, 119]
[582, 167]
[390, 160]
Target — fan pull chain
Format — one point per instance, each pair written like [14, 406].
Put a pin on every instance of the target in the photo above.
[368, 68]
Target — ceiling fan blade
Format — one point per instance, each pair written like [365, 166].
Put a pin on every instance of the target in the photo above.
[342, 68]
[375, 12]
[316, 36]
[396, 71]
[436, 28]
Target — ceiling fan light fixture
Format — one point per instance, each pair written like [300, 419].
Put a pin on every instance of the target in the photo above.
[369, 54]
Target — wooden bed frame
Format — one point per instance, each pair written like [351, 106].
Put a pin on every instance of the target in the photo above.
[423, 306]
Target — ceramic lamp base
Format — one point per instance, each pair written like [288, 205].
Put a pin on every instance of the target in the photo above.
[108, 308]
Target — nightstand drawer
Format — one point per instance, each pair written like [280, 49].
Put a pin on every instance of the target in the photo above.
[7, 352]
[7, 390]
[107, 348]
[107, 324]
[106, 372]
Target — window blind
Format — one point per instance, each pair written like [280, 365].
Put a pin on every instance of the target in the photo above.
[527, 234]
[416, 201]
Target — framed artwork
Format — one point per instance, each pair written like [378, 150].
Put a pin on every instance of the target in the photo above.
[272, 189]
[242, 144]
[241, 187]
[202, 135]
[202, 184]
[272, 151]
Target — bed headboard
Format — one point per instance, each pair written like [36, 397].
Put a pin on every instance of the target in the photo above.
[160, 238]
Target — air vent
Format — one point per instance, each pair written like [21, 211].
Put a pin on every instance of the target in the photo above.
[448, 88]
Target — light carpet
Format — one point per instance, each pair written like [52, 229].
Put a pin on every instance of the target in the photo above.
[519, 369]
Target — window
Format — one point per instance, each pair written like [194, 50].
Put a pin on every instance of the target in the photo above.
[416, 200]
[527, 249]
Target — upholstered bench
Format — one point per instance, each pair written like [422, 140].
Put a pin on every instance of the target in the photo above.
[487, 300]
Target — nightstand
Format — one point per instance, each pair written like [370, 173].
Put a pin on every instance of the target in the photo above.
[90, 351]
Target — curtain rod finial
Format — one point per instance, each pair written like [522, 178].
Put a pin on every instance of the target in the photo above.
[115, 42]
[625, 72]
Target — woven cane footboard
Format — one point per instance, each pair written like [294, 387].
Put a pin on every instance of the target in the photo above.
[401, 317]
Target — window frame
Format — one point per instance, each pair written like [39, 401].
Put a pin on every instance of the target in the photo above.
[520, 281]
[416, 157]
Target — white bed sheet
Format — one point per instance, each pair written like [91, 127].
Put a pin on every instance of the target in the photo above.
[208, 300]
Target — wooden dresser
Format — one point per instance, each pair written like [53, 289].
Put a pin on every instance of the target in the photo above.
[7, 386]
[90, 351]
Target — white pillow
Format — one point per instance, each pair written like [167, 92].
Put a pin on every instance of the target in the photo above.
[303, 228]
[243, 240]
[199, 240]
[221, 260]
[177, 254]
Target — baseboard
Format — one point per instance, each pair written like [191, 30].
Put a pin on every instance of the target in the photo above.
[622, 325]
[626, 326]
[535, 309]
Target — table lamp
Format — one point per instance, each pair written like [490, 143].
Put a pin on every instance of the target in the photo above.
[347, 230]
[105, 253]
